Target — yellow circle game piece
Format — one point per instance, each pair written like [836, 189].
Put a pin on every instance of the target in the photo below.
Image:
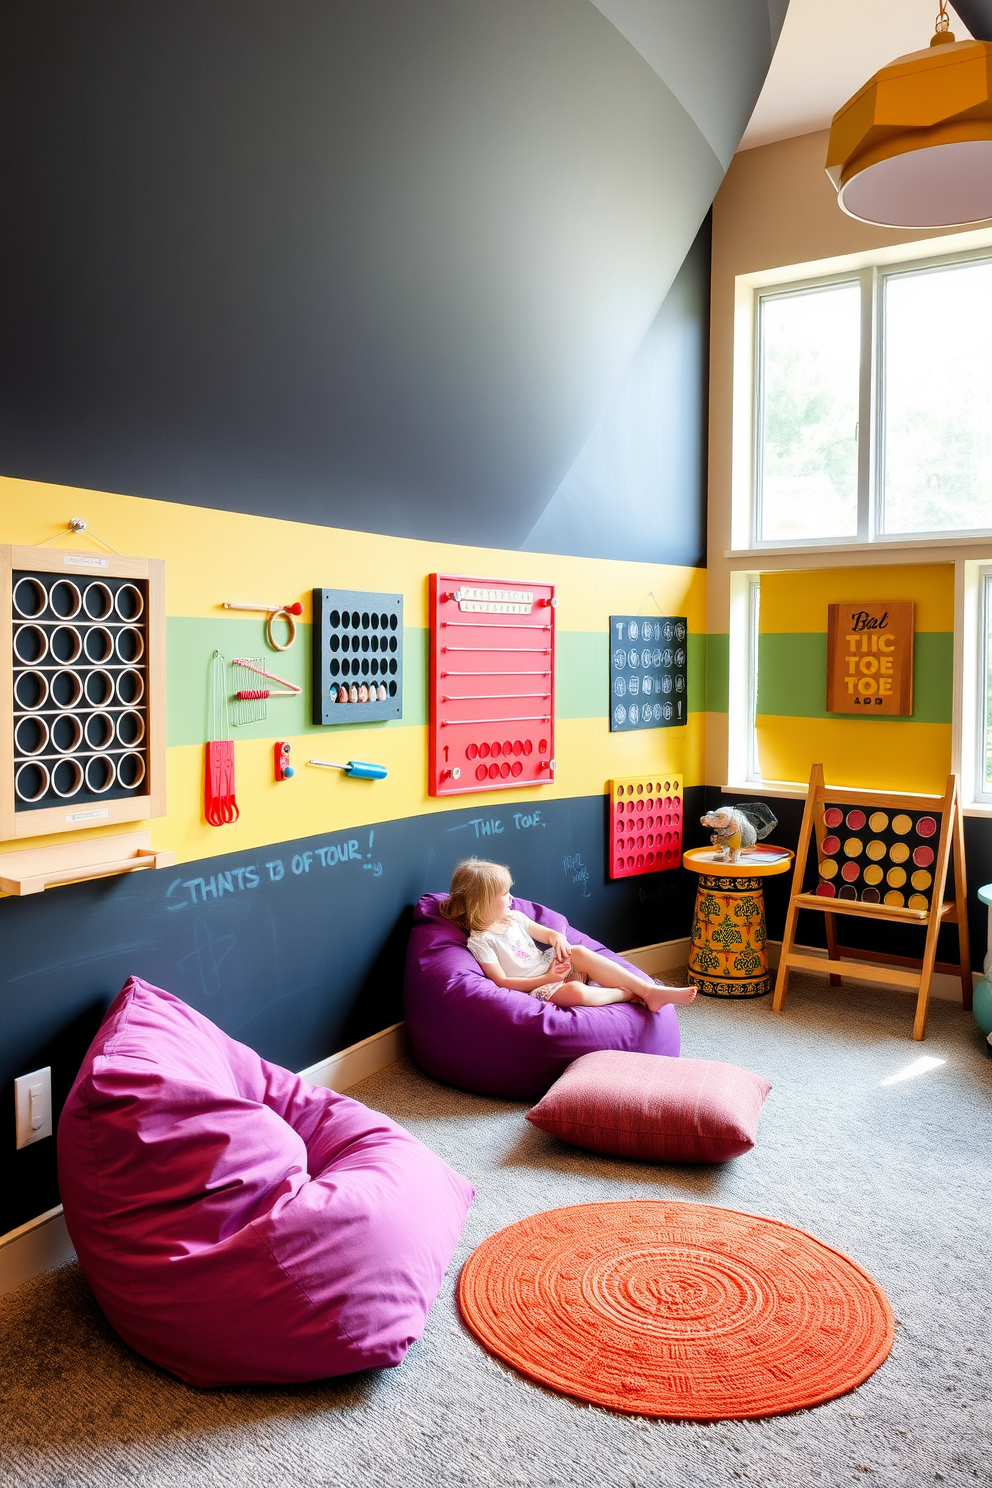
[902, 824]
[828, 868]
[919, 901]
[895, 899]
[876, 849]
[899, 852]
[921, 879]
[895, 878]
[878, 821]
[853, 847]
[873, 875]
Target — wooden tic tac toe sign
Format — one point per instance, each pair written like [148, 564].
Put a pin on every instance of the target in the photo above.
[870, 658]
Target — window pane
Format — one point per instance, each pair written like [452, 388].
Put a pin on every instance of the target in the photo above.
[985, 694]
[810, 348]
[937, 419]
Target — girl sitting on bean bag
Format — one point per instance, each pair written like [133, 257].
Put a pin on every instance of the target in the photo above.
[505, 944]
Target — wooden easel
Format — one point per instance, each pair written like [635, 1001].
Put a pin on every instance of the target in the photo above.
[881, 966]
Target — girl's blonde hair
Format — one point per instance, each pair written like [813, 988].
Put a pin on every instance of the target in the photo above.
[475, 887]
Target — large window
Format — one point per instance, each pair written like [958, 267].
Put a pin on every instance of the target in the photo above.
[874, 406]
[983, 791]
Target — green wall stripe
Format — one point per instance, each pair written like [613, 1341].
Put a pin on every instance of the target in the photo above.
[717, 672]
[792, 676]
[582, 677]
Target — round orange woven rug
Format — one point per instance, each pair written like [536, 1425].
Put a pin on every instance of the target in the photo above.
[685, 1311]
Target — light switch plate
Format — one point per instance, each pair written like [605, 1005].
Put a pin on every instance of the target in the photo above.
[33, 1106]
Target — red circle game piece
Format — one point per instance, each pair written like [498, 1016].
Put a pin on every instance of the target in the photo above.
[831, 845]
[833, 816]
[856, 819]
[926, 826]
[826, 891]
[923, 856]
[850, 872]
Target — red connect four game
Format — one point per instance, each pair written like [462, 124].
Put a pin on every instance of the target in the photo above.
[492, 684]
[645, 824]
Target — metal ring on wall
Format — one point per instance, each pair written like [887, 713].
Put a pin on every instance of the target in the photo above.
[43, 775]
[270, 633]
[40, 593]
[75, 684]
[74, 724]
[24, 726]
[108, 765]
[133, 634]
[30, 634]
[139, 761]
[136, 598]
[25, 681]
[66, 586]
[133, 675]
[76, 786]
[106, 724]
[102, 634]
[106, 681]
[75, 644]
[131, 715]
[98, 591]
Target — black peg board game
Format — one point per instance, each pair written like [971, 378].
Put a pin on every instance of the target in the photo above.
[878, 857]
[648, 677]
[357, 656]
[83, 690]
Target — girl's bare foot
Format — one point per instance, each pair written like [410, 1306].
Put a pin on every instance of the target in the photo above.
[657, 996]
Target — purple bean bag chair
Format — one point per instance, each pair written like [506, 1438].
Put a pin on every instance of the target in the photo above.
[468, 1032]
[237, 1224]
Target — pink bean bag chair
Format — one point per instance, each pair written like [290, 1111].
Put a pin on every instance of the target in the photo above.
[237, 1224]
[468, 1032]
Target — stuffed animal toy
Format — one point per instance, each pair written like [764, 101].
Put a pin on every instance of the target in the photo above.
[736, 827]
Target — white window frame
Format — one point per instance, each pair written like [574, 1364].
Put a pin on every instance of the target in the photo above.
[871, 456]
[976, 653]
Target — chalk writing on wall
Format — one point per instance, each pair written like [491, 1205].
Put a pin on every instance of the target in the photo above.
[577, 873]
[183, 892]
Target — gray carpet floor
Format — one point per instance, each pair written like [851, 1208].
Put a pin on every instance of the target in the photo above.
[897, 1176]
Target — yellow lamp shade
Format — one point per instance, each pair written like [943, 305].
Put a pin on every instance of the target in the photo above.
[913, 147]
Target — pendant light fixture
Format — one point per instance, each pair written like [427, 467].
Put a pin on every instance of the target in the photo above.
[913, 147]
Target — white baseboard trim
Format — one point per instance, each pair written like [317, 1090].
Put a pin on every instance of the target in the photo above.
[44, 1243]
[369, 1056]
[668, 954]
[665, 956]
[32, 1248]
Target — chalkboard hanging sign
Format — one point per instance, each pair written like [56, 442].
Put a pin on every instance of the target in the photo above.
[870, 658]
[648, 678]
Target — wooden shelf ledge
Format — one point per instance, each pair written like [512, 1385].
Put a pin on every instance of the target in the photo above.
[40, 868]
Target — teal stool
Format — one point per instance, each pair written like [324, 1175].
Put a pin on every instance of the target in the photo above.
[982, 1003]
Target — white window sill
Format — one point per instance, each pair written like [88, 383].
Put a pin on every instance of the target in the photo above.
[793, 791]
[982, 542]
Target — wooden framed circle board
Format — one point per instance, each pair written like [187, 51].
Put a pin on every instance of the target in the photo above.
[870, 658]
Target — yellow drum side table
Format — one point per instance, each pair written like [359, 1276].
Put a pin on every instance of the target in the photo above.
[727, 953]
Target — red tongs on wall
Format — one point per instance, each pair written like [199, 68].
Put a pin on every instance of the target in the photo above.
[219, 805]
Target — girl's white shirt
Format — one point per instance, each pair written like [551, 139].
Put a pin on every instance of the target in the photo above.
[513, 949]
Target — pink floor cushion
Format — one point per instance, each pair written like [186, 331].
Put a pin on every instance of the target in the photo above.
[468, 1032]
[658, 1110]
[236, 1224]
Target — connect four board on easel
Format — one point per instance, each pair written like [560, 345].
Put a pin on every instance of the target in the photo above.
[877, 857]
[645, 824]
[83, 653]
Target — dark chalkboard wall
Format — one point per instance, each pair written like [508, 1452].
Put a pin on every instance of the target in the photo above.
[296, 949]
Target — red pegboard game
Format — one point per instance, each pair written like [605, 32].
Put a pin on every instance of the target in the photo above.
[645, 824]
[492, 684]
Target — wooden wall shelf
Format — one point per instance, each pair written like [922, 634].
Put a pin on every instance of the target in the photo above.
[40, 868]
